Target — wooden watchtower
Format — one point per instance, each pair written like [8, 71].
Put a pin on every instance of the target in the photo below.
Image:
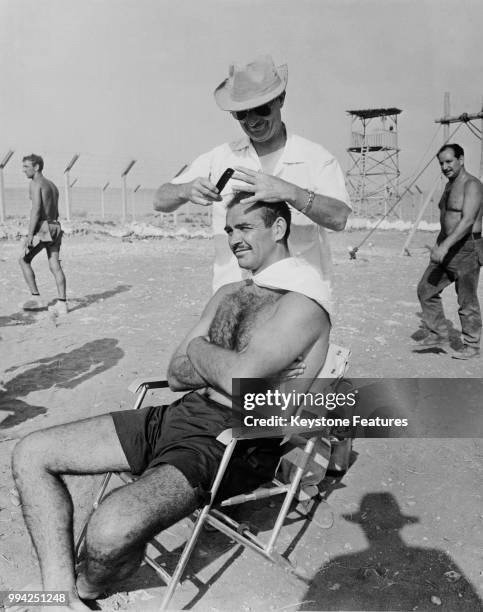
[373, 177]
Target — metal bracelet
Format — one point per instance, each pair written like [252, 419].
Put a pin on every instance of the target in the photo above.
[310, 200]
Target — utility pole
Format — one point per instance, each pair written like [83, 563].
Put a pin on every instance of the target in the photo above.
[463, 118]
[124, 189]
[3, 207]
[67, 185]
[446, 111]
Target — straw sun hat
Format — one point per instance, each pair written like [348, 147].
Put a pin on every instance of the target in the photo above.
[251, 85]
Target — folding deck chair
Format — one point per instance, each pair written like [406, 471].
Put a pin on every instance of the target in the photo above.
[305, 464]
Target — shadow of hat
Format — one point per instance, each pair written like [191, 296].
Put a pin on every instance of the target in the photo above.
[251, 85]
[381, 509]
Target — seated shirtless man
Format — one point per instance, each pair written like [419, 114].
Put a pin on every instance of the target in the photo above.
[246, 330]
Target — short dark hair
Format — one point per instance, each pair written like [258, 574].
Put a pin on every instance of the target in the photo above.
[456, 148]
[36, 160]
[270, 211]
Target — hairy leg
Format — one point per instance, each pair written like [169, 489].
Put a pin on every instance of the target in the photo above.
[58, 273]
[125, 522]
[39, 460]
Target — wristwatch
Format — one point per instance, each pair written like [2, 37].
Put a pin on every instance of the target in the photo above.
[308, 204]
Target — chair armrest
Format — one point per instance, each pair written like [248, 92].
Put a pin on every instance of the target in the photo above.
[336, 362]
[237, 433]
[149, 383]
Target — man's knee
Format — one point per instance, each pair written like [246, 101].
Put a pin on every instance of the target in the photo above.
[131, 516]
[54, 265]
[422, 289]
[428, 286]
[36, 452]
[29, 454]
[113, 532]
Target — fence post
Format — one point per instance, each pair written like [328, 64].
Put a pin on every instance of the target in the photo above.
[124, 189]
[3, 212]
[134, 201]
[3, 206]
[103, 207]
[67, 185]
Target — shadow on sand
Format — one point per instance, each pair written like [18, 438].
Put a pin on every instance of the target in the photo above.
[455, 341]
[64, 371]
[28, 317]
[91, 298]
[388, 574]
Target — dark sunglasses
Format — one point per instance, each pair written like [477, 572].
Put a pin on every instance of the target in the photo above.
[262, 111]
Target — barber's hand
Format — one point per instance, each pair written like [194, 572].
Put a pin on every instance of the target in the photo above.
[202, 191]
[438, 253]
[263, 186]
[294, 370]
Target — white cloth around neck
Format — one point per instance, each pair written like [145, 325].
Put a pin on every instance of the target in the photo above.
[295, 274]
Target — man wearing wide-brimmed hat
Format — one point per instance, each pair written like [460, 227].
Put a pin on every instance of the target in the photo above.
[271, 163]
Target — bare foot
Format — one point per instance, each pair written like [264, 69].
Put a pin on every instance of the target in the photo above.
[85, 589]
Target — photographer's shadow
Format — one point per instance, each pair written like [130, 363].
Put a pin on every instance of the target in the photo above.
[389, 575]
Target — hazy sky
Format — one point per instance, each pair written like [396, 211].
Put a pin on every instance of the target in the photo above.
[135, 77]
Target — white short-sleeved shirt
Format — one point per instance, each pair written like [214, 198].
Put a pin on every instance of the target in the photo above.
[303, 163]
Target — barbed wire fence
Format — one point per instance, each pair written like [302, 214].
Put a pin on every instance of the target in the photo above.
[120, 189]
[96, 187]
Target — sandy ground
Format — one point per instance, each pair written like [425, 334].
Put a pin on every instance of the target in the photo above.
[407, 512]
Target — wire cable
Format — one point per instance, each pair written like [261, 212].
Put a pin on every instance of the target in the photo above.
[471, 129]
[475, 126]
[424, 155]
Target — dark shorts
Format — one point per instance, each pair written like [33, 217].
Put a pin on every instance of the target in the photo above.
[183, 434]
[50, 245]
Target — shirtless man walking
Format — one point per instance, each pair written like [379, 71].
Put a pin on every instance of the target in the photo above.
[44, 233]
[250, 328]
[456, 257]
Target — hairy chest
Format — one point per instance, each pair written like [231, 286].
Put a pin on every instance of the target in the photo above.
[453, 199]
[239, 314]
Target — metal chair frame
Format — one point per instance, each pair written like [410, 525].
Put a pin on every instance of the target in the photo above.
[334, 367]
